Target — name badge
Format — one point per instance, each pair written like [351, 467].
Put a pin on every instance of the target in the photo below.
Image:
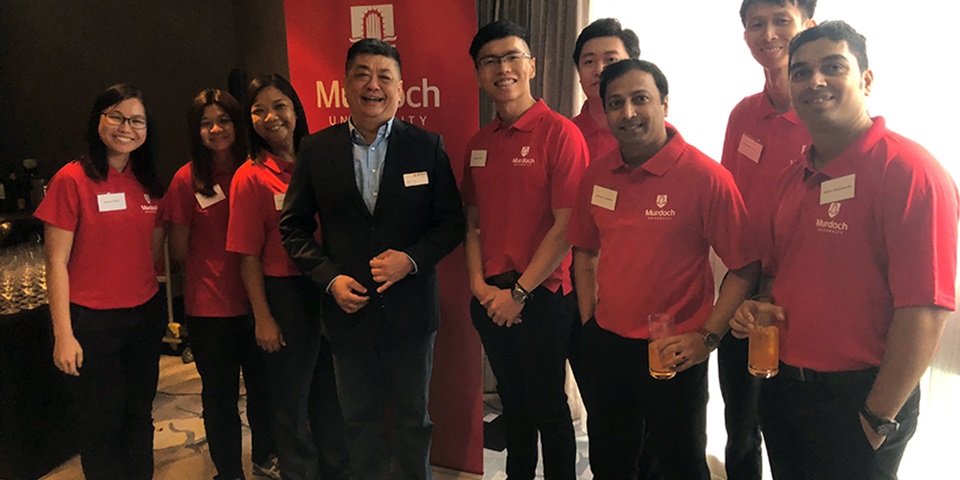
[604, 198]
[838, 189]
[750, 148]
[278, 200]
[217, 197]
[111, 202]
[415, 179]
[478, 158]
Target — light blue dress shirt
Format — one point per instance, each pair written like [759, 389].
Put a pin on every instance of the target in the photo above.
[368, 161]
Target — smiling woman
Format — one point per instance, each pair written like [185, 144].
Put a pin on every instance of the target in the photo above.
[102, 238]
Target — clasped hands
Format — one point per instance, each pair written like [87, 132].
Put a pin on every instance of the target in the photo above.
[388, 268]
[499, 303]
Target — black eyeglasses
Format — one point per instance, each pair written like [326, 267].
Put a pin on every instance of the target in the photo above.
[116, 119]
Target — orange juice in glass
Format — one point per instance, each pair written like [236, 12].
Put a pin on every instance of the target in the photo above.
[661, 326]
[764, 351]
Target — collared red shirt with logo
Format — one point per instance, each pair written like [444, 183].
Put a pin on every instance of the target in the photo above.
[759, 144]
[654, 226]
[256, 200]
[843, 265]
[599, 140]
[516, 175]
[111, 261]
[213, 287]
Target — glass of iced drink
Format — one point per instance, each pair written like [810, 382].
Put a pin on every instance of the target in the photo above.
[661, 326]
[764, 355]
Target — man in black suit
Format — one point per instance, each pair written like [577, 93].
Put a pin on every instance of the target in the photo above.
[389, 208]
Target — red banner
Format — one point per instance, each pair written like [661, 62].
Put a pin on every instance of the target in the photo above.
[440, 94]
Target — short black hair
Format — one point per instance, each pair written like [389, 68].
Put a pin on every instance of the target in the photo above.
[607, 27]
[621, 68]
[806, 7]
[257, 85]
[837, 31]
[372, 46]
[495, 31]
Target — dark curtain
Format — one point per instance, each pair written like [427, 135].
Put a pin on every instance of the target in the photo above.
[553, 26]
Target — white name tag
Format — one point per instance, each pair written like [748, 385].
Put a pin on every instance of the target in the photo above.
[414, 179]
[478, 158]
[750, 148]
[838, 189]
[217, 197]
[111, 202]
[604, 198]
[278, 200]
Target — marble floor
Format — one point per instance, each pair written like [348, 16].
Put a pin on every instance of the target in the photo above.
[180, 444]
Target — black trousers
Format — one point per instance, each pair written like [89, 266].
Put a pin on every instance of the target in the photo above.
[741, 400]
[116, 386]
[222, 348]
[529, 361]
[307, 423]
[373, 380]
[813, 432]
[628, 411]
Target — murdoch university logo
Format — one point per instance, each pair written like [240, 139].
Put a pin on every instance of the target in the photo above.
[372, 21]
[834, 209]
[660, 214]
[149, 207]
[831, 226]
[525, 150]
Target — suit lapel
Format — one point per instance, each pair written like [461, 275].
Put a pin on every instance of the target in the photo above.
[390, 181]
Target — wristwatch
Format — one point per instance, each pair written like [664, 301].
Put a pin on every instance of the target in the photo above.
[879, 424]
[520, 294]
[710, 339]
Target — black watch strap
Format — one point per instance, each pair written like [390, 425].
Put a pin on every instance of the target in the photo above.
[879, 424]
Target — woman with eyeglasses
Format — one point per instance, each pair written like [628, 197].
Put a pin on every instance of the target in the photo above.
[103, 233]
[220, 327]
[307, 422]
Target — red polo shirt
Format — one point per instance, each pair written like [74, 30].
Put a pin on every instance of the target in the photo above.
[516, 175]
[256, 200]
[760, 143]
[842, 266]
[655, 236]
[111, 263]
[213, 285]
[599, 140]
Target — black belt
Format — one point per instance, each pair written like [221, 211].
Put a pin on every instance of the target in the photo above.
[503, 280]
[802, 374]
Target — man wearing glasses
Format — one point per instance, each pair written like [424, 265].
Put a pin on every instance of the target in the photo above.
[522, 172]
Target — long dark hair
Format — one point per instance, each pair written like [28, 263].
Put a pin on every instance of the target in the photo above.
[202, 158]
[95, 163]
[257, 143]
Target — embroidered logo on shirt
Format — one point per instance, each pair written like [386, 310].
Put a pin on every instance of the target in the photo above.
[834, 209]
[660, 214]
[522, 160]
[148, 208]
[831, 226]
